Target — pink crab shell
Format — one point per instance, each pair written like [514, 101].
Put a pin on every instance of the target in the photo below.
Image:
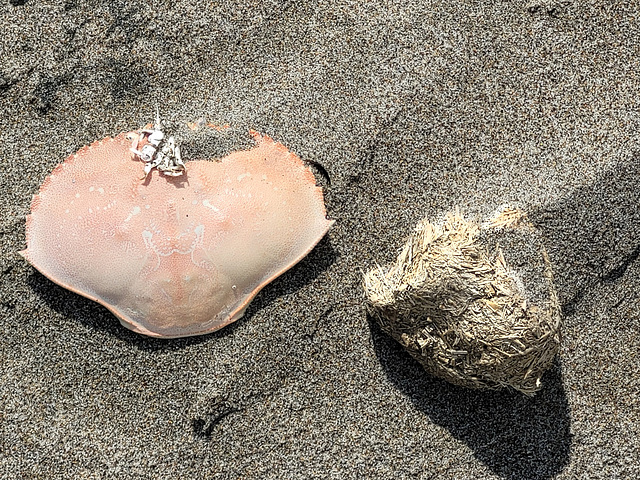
[174, 256]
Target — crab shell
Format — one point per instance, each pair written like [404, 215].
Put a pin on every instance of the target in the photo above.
[174, 256]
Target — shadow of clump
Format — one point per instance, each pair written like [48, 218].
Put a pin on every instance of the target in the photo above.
[514, 435]
[97, 317]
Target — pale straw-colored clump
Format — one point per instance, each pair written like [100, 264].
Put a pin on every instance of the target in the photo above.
[473, 303]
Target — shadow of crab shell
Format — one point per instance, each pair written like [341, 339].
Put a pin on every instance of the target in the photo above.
[474, 304]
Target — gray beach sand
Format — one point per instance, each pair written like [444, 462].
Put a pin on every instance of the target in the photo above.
[412, 108]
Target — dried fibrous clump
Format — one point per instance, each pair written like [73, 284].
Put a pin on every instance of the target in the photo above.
[473, 303]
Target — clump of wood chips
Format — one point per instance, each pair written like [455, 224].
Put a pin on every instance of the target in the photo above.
[473, 303]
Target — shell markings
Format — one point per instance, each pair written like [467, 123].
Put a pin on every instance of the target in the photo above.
[174, 256]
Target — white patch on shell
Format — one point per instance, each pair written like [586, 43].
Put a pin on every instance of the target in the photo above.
[207, 204]
[136, 210]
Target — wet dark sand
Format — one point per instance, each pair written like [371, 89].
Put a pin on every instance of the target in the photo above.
[412, 108]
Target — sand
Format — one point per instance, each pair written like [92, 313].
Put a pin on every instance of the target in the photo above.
[412, 109]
